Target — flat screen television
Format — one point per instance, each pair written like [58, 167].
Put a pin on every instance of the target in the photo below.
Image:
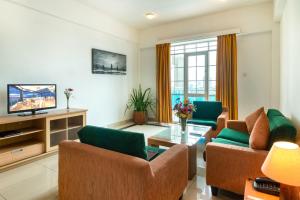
[23, 98]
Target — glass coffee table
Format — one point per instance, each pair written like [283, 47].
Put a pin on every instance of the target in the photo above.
[173, 135]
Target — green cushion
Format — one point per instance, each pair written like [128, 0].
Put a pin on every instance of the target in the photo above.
[224, 141]
[236, 136]
[154, 149]
[281, 128]
[129, 143]
[204, 122]
[207, 110]
[274, 112]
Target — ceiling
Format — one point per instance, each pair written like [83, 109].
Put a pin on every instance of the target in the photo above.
[132, 12]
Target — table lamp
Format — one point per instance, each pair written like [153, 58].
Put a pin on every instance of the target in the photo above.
[283, 165]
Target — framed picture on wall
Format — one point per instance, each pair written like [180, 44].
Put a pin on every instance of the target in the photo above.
[105, 62]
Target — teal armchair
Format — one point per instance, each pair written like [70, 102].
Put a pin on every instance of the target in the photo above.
[210, 113]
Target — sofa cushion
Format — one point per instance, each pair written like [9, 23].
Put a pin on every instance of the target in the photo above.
[207, 110]
[274, 112]
[224, 141]
[204, 122]
[259, 137]
[236, 136]
[281, 128]
[129, 143]
[251, 119]
[154, 149]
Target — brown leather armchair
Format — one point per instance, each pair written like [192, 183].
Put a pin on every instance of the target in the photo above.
[210, 113]
[229, 166]
[230, 161]
[88, 172]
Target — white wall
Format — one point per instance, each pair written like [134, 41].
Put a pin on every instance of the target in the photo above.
[258, 51]
[148, 71]
[254, 72]
[50, 41]
[290, 62]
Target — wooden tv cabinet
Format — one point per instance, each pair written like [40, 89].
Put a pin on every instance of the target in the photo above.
[37, 135]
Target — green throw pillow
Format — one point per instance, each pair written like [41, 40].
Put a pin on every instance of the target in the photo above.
[129, 143]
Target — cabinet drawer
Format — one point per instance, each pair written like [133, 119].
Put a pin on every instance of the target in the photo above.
[5, 158]
[27, 151]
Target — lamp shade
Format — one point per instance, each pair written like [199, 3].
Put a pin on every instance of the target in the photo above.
[283, 163]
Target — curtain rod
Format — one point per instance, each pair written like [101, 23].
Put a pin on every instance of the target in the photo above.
[203, 36]
[200, 36]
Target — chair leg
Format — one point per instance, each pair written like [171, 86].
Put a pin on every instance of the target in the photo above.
[214, 191]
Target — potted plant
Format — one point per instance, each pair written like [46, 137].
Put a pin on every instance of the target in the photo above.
[140, 102]
[184, 111]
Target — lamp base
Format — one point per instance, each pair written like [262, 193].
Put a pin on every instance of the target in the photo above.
[289, 192]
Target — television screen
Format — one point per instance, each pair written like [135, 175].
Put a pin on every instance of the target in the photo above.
[26, 97]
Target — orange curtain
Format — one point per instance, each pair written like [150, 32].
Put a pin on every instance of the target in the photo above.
[226, 90]
[163, 83]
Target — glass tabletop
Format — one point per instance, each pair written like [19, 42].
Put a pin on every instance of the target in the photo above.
[174, 134]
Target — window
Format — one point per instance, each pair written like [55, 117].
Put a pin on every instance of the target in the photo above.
[193, 70]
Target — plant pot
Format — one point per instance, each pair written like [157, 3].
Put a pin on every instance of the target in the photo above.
[139, 117]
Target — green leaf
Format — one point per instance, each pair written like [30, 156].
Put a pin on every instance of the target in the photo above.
[140, 100]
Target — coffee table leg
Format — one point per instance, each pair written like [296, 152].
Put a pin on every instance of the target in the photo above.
[192, 156]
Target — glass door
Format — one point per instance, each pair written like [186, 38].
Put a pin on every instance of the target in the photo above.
[196, 83]
[193, 70]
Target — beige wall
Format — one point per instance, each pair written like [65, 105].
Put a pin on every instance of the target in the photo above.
[258, 51]
[50, 41]
[254, 72]
[290, 62]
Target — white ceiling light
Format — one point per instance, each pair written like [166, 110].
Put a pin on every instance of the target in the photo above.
[150, 15]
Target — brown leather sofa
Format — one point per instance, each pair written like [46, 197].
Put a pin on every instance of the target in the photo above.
[88, 172]
[229, 166]
[230, 161]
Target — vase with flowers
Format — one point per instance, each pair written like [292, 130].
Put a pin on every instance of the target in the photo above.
[68, 92]
[184, 110]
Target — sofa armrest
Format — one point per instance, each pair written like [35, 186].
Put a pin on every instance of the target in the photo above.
[225, 109]
[170, 171]
[221, 123]
[229, 166]
[237, 125]
[222, 119]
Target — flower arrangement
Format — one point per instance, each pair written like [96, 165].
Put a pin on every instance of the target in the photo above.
[68, 92]
[184, 110]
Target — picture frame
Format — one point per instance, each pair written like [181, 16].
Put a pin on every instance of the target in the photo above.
[106, 62]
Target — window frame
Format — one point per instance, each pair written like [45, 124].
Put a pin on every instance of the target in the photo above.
[186, 75]
[183, 48]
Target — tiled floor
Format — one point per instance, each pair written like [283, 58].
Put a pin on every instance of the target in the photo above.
[38, 180]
